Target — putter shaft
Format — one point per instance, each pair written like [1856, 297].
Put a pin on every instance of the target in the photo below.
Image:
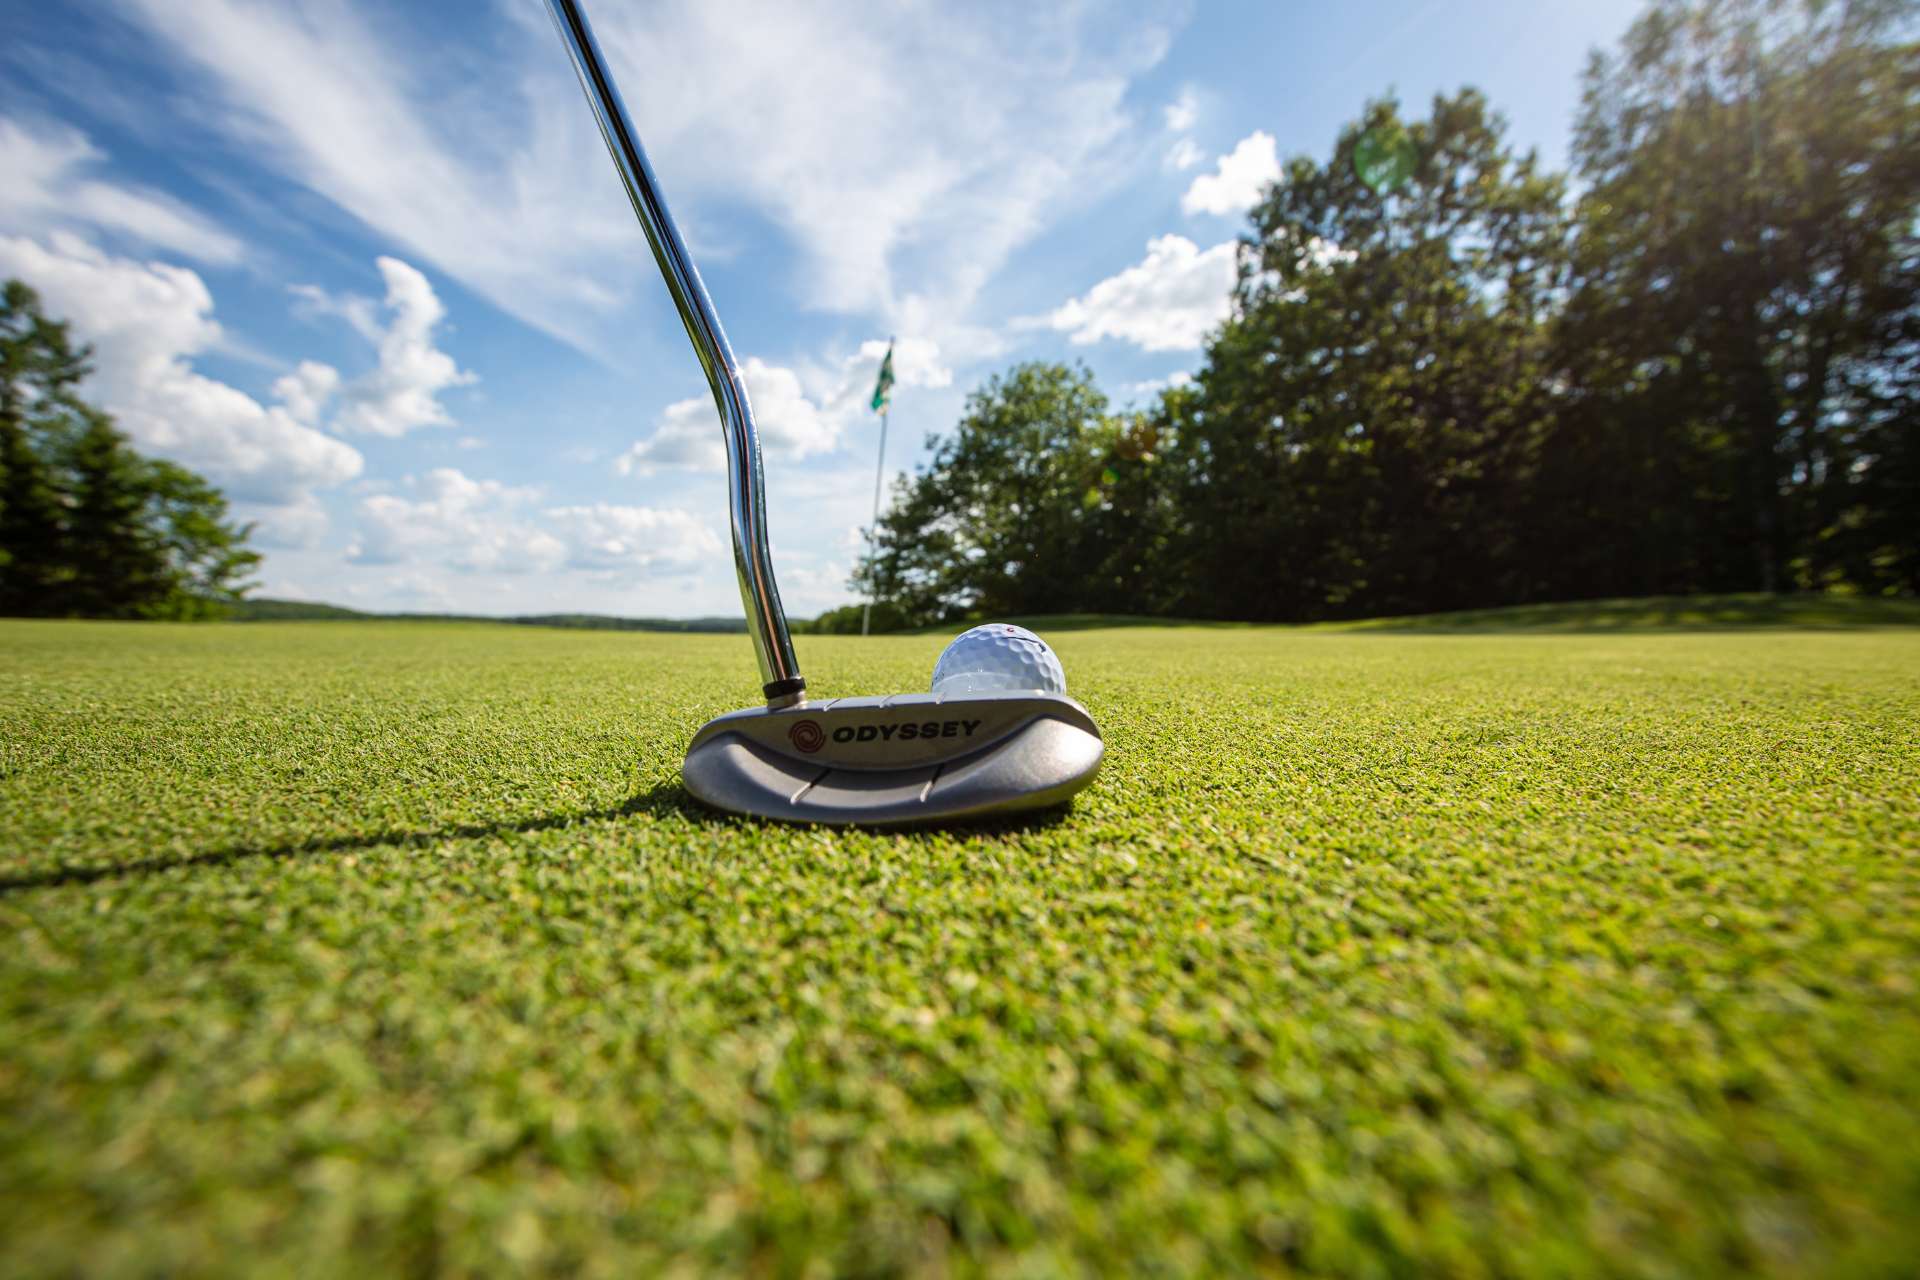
[780, 677]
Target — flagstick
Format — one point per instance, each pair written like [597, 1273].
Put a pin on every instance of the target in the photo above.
[873, 529]
[883, 401]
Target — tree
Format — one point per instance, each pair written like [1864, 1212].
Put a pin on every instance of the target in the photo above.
[1363, 421]
[998, 520]
[1128, 519]
[1742, 338]
[39, 367]
[206, 556]
[116, 564]
[88, 527]
[1442, 386]
[848, 620]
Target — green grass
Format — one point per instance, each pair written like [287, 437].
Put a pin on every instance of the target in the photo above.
[346, 948]
[1681, 613]
[1646, 613]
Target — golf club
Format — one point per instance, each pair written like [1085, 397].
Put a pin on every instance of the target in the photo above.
[871, 761]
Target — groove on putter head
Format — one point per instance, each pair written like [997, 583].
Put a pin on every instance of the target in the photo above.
[865, 761]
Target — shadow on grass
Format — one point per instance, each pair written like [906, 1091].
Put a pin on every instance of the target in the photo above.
[662, 800]
[668, 799]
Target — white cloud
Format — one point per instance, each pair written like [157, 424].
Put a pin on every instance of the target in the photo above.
[1184, 154]
[307, 389]
[687, 437]
[810, 589]
[487, 527]
[401, 393]
[632, 542]
[1154, 386]
[293, 525]
[361, 314]
[836, 501]
[46, 188]
[146, 321]
[466, 524]
[493, 194]
[1182, 112]
[916, 363]
[800, 413]
[1167, 302]
[921, 144]
[791, 426]
[1238, 181]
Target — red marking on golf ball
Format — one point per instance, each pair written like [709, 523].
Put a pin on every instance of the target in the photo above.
[808, 736]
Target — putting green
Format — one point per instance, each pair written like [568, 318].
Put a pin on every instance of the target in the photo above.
[356, 947]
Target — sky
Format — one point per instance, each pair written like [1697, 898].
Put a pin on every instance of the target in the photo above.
[368, 268]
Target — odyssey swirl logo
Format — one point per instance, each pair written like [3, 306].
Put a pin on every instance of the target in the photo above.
[808, 736]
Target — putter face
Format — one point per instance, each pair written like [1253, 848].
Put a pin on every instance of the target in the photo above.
[908, 758]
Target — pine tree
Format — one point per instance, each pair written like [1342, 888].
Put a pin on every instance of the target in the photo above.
[89, 527]
[205, 555]
[39, 368]
[118, 563]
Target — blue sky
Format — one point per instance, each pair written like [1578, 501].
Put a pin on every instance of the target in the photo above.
[367, 265]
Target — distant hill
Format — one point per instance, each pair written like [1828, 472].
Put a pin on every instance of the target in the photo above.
[266, 609]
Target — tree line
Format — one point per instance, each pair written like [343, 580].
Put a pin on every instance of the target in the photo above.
[89, 527]
[1452, 379]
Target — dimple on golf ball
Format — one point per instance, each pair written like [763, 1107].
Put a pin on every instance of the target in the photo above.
[998, 658]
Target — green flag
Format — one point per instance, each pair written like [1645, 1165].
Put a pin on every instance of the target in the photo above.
[883, 385]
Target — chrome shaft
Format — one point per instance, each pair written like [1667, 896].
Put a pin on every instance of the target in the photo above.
[746, 489]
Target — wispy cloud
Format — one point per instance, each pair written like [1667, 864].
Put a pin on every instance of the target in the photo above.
[905, 154]
[1183, 112]
[516, 203]
[47, 184]
[907, 151]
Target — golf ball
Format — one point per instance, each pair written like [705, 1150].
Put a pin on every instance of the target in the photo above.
[998, 658]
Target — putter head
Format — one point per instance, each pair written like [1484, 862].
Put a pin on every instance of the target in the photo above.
[889, 761]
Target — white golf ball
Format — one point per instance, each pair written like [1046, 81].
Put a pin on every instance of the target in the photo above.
[998, 658]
